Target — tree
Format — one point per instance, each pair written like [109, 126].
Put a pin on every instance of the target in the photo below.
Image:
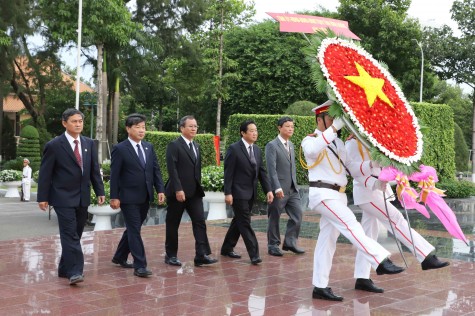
[272, 69]
[387, 32]
[452, 56]
[461, 150]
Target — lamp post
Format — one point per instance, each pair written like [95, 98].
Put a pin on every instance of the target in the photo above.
[422, 67]
[89, 102]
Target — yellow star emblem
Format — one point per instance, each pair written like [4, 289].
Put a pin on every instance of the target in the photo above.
[373, 87]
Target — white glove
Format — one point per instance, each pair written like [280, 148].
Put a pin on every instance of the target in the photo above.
[375, 164]
[338, 123]
[380, 185]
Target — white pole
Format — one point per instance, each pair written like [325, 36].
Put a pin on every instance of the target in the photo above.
[78, 71]
[422, 70]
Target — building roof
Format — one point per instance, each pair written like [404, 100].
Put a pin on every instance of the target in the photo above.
[12, 104]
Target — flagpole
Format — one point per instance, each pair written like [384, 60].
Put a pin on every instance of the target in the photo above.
[78, 71]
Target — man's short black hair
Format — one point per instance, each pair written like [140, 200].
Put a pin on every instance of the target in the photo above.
[283, 120]
[244, 126]
[70, 112]
[134, 119]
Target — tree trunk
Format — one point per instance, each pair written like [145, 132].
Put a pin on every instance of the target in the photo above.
[105, 90]
[1, 122]
[220, 75]
[115, 111]
[100, 102]
[473, 136]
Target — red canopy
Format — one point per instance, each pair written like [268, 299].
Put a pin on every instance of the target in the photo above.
[310, 24]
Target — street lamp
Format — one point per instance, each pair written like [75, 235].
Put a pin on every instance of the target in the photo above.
[422, 67]
[90, 101]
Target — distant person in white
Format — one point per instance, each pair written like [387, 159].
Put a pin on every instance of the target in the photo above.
[26, 181]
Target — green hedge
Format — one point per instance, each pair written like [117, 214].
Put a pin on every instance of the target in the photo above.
[29, 147]
[438, 131]
[457, 189]
[160, 141]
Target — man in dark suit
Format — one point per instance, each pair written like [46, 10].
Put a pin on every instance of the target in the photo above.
[68, 168]
[243, 167]
[280, 160]
[134, 174]
[184, 191]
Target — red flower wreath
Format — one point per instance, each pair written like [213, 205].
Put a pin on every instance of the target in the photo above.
[372, 99]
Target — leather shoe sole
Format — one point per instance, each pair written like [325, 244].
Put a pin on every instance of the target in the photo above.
[173, 261]
[294, 250]
[231, 254]
[123, 264]
[75, 279]
[368, 286]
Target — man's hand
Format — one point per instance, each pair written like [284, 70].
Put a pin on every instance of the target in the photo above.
[270, 197]
[115, 203]
[161, 198]
[43, 205]
[338, 124]
[228, 198]
[180, 196]
[380, 185]
[279, 194]
[375, 164]
[101, 199]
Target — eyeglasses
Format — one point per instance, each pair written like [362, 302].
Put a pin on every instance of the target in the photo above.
[193, 126]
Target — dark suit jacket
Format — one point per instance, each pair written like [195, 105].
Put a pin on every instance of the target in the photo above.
[184, 174]
[129, 181]
[61, 181]
[240, 177]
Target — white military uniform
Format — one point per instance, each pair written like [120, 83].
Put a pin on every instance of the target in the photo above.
[26, 182]
[332, 205]
[372, 203]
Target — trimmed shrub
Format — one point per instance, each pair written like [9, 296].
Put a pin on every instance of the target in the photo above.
[160, 141]
[29, 147]
[301, 108]
[457, 189]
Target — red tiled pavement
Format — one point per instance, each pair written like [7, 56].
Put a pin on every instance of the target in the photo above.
[278, 286]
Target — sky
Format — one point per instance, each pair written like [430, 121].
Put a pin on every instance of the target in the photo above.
[429, 12]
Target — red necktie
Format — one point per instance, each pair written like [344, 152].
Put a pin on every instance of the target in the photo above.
[76, 153]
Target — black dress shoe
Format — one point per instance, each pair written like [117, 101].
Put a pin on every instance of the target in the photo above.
[432, 262]
[142, 272]
[173, 261]
[275, 252]
[123, 263]
[367, 285]
[77, 278]
[325, 294]
[256, 260]
[296, 250]
[231, 254]
[387, 267]
[201, 260]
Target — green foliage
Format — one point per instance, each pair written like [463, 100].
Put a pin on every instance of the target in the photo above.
[29, 146]
[8, 150]
[14, 164]
[461, 150]
[160, 140]
[10, 175]
[438, 138]
[106, 168]
[35, 176]
[272, 68]
[457, 189]
[107, 190]
[302, 108]
[212, 178]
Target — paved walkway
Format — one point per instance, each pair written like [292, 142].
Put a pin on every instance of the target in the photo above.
[278, 286]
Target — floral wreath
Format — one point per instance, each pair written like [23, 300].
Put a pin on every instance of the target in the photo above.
[365, 91]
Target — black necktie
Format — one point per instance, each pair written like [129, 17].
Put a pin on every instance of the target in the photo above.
[141, 157]
[192, 152]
